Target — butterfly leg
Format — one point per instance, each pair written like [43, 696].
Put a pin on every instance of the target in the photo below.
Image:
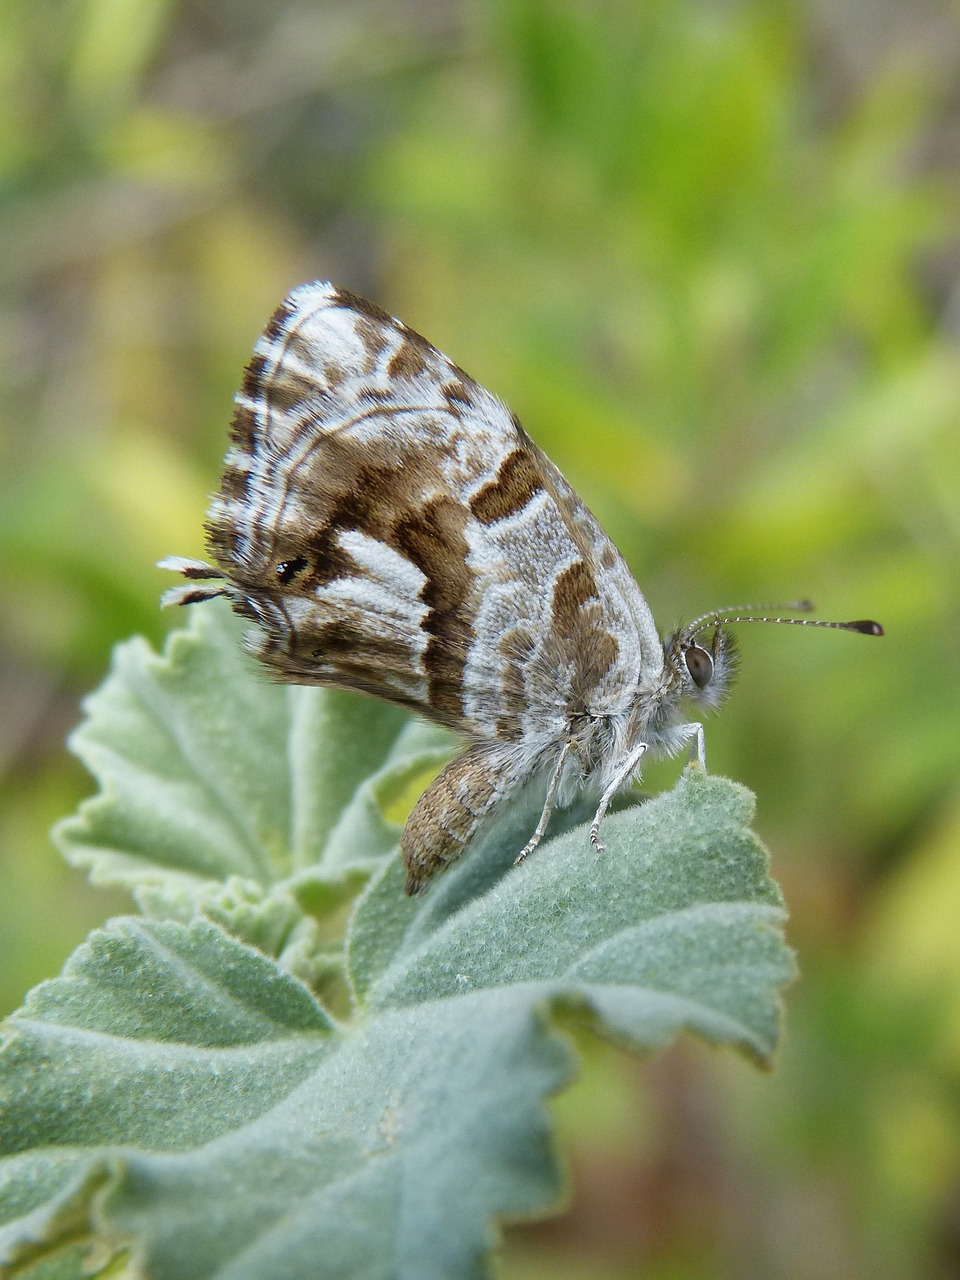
[698, 750]
[547, 805]
[619, 778]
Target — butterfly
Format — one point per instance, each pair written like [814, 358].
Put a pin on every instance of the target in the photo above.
[389, 527]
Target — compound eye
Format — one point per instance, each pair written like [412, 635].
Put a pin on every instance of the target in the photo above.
[699, 664]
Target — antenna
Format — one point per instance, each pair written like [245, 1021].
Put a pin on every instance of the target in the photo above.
[722, 617]
[719, 615]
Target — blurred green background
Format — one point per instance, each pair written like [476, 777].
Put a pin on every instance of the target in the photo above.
[708, 251]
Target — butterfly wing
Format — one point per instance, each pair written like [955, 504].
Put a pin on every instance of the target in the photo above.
[391, 528]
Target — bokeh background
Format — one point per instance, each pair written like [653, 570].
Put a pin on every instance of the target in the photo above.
[708, 250]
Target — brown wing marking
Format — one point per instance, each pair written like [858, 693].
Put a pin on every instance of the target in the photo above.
[387, 492]
[518, 479]
[581, 639]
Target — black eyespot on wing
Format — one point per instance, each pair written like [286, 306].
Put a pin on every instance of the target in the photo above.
[287, 570]
[699, 664]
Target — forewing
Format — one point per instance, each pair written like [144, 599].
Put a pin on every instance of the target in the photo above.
[391, 528]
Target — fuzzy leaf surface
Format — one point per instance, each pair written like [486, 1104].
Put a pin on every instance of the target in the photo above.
[181, 1097]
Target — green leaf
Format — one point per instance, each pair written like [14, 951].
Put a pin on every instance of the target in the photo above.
[677, 925]
[180, 1102]
[228, 1125]
[221, 791]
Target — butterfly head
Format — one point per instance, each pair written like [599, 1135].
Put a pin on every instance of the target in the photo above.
[702, 657]
[702, 663]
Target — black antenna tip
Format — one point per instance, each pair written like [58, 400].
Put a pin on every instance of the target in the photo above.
[865, 626]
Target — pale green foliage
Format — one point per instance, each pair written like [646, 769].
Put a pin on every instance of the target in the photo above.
[225, 1086]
